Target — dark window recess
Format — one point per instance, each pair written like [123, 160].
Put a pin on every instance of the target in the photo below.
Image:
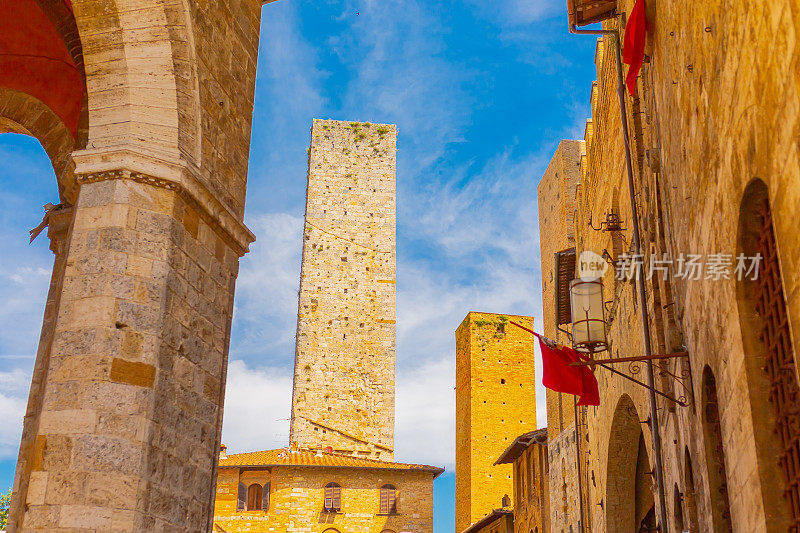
[265, 496]
[784, 390]
[388, 499]
[565, 272]
[333, 498]
[241, 497]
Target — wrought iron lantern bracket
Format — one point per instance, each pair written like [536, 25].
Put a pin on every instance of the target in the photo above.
[634, 369]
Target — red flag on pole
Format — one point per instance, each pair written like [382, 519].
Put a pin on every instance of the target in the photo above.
[633, 49]
[559, 376]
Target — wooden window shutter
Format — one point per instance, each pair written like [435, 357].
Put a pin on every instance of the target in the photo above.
[388, 503]
[333, 497]
[265, 497]
[241, 497]
[564, 273]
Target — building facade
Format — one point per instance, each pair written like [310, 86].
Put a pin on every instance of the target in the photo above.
[713, 125]
[528, 457]
[495, 401]
[305, 491]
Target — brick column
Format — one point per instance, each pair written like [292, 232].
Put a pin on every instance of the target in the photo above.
[60, 224]
[131, 410]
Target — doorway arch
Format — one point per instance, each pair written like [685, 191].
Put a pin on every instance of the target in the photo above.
[629, 498]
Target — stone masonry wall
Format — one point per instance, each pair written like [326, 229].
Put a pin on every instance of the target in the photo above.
[131, 407]
[495, 403]
[343, 393]
[716, 107]
[556, 196]
[298, 493]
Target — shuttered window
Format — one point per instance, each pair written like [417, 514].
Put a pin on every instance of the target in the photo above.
[333, 497]
[265, 497]
[241, 497]
[254, 497]
[388, 499]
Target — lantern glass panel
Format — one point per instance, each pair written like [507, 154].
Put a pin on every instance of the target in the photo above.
[588, 318]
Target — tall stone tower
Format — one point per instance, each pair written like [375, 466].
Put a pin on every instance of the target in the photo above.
[343, 394]
[495, 403]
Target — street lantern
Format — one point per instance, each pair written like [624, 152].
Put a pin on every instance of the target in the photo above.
[588, 315]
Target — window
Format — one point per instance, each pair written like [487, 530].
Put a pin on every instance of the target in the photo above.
[241, 497]
[254, 493]
[388, 499]
[715, 454]
[333, 497]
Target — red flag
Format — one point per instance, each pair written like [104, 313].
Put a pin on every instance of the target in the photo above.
[559, 376]
[635, 37]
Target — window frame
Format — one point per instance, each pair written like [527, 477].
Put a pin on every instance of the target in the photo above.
[332, 494]
[390, 500]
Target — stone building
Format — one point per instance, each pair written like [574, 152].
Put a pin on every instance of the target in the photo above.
[337, 474]
[144, 108]
[308, 491]
[556, 197]
[713, 127]
[528, 457]
[495, 402]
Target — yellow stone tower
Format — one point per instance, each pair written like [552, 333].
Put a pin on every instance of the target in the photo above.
[495, 403]
[343, 395]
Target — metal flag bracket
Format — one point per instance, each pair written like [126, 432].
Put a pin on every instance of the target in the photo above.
[634, 369]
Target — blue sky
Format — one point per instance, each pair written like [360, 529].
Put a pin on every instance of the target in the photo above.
[481, 93]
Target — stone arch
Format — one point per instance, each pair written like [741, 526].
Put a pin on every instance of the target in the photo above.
[771, 375]
[715, 454]
[130, 76]
[22, 113]
[625, 448]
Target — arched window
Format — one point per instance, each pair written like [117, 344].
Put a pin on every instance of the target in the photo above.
[769, 360]
[241, 497]
[677, 509]
[715, 454]
[388, 499]
[333, 497]
[254, 494]
[690, 495]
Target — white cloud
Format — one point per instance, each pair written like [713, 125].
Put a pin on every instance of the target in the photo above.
[265, 312]
[425, 414]
[13, 399]
[257, 408]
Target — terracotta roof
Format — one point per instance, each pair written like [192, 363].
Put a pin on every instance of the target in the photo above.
[495, 515]
[521, 444]
[285, 457]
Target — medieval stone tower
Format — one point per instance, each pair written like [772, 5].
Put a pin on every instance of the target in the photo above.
[343, 394]
[495, 403]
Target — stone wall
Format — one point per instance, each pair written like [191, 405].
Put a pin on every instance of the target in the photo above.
[298, 493]
[495, 403]
[716, 107]
[531, 475]
[344, 364]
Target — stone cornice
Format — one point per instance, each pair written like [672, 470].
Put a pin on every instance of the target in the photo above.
[95, 165]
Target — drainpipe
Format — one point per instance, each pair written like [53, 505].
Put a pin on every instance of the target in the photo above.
[637, 247]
